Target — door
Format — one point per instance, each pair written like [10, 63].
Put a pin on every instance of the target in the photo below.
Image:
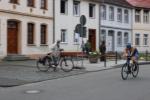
[92, 39]
[109, 43]
[12, 37]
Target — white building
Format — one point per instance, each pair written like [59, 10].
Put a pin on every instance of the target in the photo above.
[67, 16]
[116, 24]
[26, 27]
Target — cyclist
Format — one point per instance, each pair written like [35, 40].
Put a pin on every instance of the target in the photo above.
[133, 52]
[55, 54]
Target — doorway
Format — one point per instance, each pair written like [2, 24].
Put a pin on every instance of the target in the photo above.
[12, 37]
[92, 39]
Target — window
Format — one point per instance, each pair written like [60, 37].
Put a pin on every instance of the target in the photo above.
[103, 12]
[119, 15]
[137, 16]
[137, 39]
[119, 39]
[30, 3]
[63, 35]
[146, 16]
[43, 4]
[103, 35]
[126, 38]
[76, 8]
[30, 33]
[43, 34]
[14, 1]
[63, 6]
[126, 16]
[76, 37]
[145, 39]
[92, 10]
[111, 13]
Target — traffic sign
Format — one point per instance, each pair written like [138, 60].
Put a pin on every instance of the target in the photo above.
[83, 20]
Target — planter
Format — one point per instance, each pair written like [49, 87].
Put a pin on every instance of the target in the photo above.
[93, 59]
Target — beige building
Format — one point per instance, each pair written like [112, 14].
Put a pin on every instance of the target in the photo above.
[141, 24]
[141, 29]
[26, 27]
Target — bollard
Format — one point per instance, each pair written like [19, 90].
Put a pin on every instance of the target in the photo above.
[116, 57]
[105, 60]
[146, 55]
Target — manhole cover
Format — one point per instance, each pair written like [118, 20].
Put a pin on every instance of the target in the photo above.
[32, 91]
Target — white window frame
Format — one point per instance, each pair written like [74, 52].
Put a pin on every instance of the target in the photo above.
[66, 7]
[76, 37]
[119, 39]
[76, 8]
[126, 16]
[137, 39]
[103, 35]
[145, 39]
[146, 16]
[119, 15]
[93, 9]
[63, 36]
[137, 16]
[111, 13]
[126, 38]
[103, 12]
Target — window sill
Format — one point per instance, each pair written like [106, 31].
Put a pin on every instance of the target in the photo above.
[76, 15]
[64, 43]
[92, 17]
[31, 6]
[43, 44]
[76, 43]
[44, 9]
[64, 14]
[31, 45]
[14, 3]
[145, 46]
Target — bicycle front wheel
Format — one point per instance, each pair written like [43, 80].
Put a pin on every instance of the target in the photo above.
[135, 70]
[66, 64]
[124, 72]
[43, 66]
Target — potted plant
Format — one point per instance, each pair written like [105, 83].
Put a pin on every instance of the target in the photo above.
[93, 57]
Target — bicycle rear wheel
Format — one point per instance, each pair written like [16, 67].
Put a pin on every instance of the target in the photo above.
[43, 66]
[135, 70]
[66, 64]
[124, 72]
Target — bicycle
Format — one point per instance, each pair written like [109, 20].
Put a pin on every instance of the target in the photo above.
[49, 61]
[129, 68]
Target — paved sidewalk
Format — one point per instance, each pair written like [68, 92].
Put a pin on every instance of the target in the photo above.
[14, 73]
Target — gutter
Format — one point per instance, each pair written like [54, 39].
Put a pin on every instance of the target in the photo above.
[53, 21]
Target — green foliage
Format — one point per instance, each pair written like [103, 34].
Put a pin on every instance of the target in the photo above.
[94, 54]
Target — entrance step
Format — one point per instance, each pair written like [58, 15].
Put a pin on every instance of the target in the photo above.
[14, 57]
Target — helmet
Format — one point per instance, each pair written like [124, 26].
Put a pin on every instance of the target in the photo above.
[128, 45]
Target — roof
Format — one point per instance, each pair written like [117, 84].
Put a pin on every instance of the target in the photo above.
[140, 3]
[122, 3]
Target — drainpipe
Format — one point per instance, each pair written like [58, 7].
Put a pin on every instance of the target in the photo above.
[99, 25]
[132, 16]
[53, 21]
[100, 21]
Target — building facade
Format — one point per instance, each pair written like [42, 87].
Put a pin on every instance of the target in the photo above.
[116, 24]
[67, 16]
[141, 24]
[26, 27]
